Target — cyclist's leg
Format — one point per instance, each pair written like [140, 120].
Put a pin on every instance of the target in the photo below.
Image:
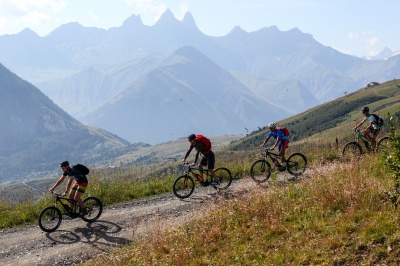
[375, 133]
[77, 190]
[211, 164]
[282, 148]
[366, 132]
[203, 163]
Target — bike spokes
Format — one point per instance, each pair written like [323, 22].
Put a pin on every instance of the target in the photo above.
[260, 171]
[50, 219]
[224, 178]
[183, 186]
[351, 152]
[296, 164]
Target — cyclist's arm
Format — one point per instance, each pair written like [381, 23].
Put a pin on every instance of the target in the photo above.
[187, 153]
[59, 181]
[265, 141]
[69, 184]
[196, 157]
[359, 124]
[276, 143]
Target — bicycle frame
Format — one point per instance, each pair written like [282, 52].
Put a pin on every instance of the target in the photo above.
[268, 154]
[358, 135]
[59, 199]
[191, 170]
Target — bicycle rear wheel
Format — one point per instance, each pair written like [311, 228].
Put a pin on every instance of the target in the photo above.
[50, 219]
[383, 144]
[224, 177]
[260, 171]
[183, 186]
[94, 209]
[296, 164]
[351, 151]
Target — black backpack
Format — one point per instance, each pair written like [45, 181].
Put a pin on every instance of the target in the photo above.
[81, 168]
[379, 120]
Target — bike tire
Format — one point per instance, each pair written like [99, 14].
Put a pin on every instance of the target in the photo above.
[50, 219]
[351, 151]
[95, 209]
[260, 171]
[224, 177]
[384, 143]
[296, 164]
[183, 186]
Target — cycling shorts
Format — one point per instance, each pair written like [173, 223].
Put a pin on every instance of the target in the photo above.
[81, 187]
[209, 160]
[373, 131]
[283, 144]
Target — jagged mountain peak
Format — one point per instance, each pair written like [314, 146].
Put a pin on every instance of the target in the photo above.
[133, 21]
[188, 20]
[166, 18]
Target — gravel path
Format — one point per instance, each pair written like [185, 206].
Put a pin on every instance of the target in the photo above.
[77, 241]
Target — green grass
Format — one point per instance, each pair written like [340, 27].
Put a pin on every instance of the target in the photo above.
[117, 186]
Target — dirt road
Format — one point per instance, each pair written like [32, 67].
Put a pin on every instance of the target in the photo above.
[77, 241]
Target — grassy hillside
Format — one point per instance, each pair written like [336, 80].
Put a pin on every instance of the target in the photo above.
[336, 118]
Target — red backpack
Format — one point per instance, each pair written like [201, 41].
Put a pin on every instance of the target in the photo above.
[285, 130]
[204, 140]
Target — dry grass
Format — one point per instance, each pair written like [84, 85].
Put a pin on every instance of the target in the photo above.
[340, 216]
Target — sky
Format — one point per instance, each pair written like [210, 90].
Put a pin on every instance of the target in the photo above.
[357, 27]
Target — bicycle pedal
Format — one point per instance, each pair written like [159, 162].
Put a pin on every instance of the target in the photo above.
[205, 183]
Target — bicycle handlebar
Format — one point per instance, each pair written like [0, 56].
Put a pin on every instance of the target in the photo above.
[56, 194]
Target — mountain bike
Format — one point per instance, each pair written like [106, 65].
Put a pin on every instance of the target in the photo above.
[50, 217]
[353, 149]
[184, 185]
[261, 169]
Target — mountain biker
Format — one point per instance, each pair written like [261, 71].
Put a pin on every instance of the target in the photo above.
[372, 128]
[208, 157]
[78, 188]
[281, 140]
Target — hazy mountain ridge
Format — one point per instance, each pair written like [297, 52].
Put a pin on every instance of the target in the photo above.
[39, 134]
[170, 101]
[314, 72]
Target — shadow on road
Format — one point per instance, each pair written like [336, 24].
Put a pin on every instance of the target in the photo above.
[99, 234]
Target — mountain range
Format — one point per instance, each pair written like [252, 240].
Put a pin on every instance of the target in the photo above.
[37, 134]
[99, 76]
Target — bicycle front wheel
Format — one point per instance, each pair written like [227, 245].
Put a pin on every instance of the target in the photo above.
[351, 151]
[50, 219]
[183, 186]
[260, 171]
[296, 164]
[94, 209]
[224, 177]
[384, 144]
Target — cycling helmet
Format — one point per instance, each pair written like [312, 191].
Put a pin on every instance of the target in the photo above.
[272, 125]
[365, 109]
[191, 137]
[64, 164]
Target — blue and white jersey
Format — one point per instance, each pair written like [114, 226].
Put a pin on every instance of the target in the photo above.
[278, 134]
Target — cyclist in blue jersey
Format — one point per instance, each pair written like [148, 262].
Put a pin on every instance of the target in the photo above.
[282, 141]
